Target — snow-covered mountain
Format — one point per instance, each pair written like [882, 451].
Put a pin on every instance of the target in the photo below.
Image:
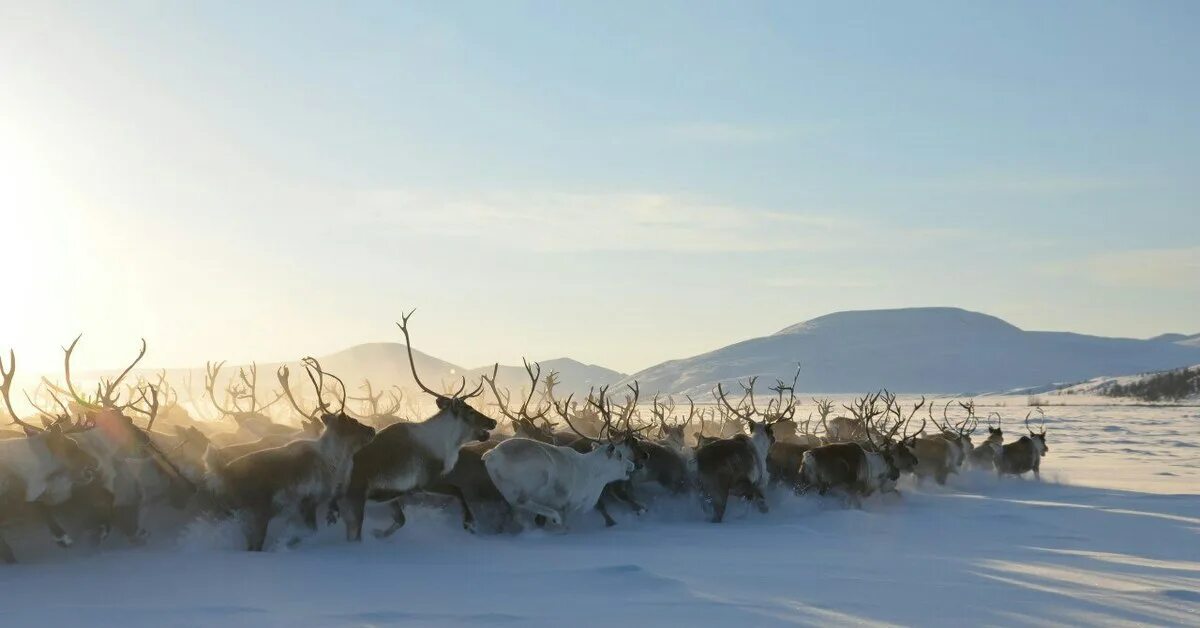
[935, 350]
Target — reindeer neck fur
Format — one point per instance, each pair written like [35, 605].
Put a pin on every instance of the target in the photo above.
[598, 471]
[762, 444]
[878, 467]
[334, 451]
[442, 435]
[1039, 448]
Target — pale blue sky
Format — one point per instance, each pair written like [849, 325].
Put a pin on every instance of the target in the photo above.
[619, 182]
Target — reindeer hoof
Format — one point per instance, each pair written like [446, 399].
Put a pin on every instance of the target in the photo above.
[639, 511]
[64, 540]
[384, 533]
[139, 537]
[100, 533]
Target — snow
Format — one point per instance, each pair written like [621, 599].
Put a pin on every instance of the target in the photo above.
[1109, 536]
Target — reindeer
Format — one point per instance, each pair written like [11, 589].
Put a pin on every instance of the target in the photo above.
[736, 465]
[132, 467]
[406, 457]
[544, 482]
[958, 434]
[859, 470]
[1025, 454]
[654, 464]
[375, 414]
[41, 470]
[985, 455]
[252, 421]
[293, 478]
[700, 437]
[843, 429]
[468, 481]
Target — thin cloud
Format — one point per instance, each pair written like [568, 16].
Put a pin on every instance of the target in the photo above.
[725, 133]
[1026, 183]
[542, 221]
[1167, 269]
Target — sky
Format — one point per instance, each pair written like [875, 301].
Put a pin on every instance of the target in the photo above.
[618, 182]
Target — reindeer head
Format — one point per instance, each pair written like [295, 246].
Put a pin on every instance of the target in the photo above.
[479, 423]
[620, 441]
[672, 432]
[454, 405]
[79, 464]
[1039, 437]
[348, 431]
[995, 434]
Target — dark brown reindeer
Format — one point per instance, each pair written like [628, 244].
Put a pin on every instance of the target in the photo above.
[294, 478]
[787, 452]
[859, 469]
[407, 457]
[736, 465]
[1026, 453]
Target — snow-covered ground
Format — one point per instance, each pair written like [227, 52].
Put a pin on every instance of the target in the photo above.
[1110, 536]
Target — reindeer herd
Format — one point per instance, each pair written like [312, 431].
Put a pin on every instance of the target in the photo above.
[102, 460]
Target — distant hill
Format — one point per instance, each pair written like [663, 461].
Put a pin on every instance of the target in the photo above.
[386, 364]
[934, 350]
[574, 377]
[1170, 385]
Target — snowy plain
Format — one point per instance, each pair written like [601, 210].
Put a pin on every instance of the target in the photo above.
[1111, 535]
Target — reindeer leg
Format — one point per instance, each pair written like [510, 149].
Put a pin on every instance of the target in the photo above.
[398, 520]
[760, 500]
[258, 519]
[333, 512]
[60, 535]
[623, 491]
[552, 516]
[719, 500]
[608, 520]
[127, 518]
[308, 513]
[468, 520]
[356, 502]
[6, 552]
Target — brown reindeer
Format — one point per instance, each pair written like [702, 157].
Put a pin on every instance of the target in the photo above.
[860, 469]
[406, 457]
[294, 478]
[245, 408]
[736, 465]
[1025, 454]
[985, 455]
